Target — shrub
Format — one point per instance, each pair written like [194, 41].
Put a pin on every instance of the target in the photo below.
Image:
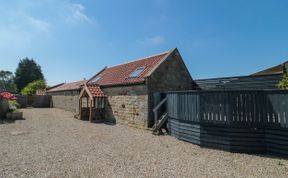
[283, 84]
[31, 88]
[13, 105]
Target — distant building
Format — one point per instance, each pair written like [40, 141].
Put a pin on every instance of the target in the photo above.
[278, 69]
[72, 88]
[40, 92]
[66, 95]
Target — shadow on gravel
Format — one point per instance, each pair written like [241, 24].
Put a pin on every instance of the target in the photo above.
[102, 122]
[273, 156]
[110, 122]
[9, 121]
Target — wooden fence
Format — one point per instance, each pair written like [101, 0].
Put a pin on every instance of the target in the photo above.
[238, 121]
[36, 101]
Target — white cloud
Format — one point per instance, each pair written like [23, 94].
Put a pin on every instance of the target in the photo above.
[18, 30]
[38, 24]
[77, 13]
[30, 21]
[34, 22]
[156, 40]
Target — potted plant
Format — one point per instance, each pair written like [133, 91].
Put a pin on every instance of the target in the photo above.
[13, 112]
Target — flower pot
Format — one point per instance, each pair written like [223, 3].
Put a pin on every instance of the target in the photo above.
[9, 115]
[14, 115]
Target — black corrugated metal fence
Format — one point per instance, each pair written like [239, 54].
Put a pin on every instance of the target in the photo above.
[252, 82]
[237, 121]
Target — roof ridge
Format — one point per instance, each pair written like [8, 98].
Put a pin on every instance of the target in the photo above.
[139, 59]
[75, 82]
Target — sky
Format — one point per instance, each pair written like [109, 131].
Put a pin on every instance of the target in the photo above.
[72, 40]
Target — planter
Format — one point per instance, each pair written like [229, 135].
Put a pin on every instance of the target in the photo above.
[14, 115]
[3, 107]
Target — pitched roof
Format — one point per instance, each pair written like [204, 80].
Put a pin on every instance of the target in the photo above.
[69, 86]
[54, 86]
[279, 69]
[120, 74]
[95, 90]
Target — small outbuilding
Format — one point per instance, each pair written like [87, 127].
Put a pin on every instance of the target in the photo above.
[95, 103]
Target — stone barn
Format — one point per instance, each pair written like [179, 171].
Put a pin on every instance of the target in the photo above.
[66, 95]
[130, 88]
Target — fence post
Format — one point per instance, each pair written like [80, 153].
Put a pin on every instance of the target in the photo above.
[229, 110]
[201, 108]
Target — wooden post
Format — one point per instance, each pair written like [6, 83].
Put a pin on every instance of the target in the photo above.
[87, 102]
[90, 113]
[155, 117]
[80, 108]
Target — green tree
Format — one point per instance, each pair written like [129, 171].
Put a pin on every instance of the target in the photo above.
[7, 81]
[283, 84]
[31, 88]
[27, 71]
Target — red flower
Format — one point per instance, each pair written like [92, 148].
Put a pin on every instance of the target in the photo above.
[7, 96]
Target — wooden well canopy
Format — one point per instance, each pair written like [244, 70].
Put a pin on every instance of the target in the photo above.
[95, 102]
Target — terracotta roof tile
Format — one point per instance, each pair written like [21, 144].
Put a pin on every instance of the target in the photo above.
[95, 90]
[69, 86]
[120, 74]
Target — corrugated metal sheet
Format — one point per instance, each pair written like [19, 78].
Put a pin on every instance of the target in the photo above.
[264, 82]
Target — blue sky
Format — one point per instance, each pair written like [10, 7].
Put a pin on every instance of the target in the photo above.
[74, 39]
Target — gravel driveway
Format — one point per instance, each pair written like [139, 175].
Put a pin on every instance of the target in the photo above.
[50, 143]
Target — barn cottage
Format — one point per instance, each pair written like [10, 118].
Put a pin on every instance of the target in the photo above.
[130, 88]
[129, 92]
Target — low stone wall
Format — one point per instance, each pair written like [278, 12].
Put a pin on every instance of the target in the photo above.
[127, 104]
[4, 107]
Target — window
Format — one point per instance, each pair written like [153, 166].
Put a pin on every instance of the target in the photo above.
[96, 79]
[136, 72]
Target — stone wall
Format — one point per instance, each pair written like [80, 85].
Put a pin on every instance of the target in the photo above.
[170, 75]
[68, 103]
[3, 107]
[127, 104]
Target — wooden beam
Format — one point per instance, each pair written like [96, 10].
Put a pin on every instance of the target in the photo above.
[80, 108]
[90, 113]
[87, 98]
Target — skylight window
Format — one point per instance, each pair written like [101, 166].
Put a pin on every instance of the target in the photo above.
[96, 79]
[136, 72]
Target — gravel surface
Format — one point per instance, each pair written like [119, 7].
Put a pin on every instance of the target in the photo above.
[50, 143]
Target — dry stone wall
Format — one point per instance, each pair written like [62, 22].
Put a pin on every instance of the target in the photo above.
[68, 103]
[127, 104]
